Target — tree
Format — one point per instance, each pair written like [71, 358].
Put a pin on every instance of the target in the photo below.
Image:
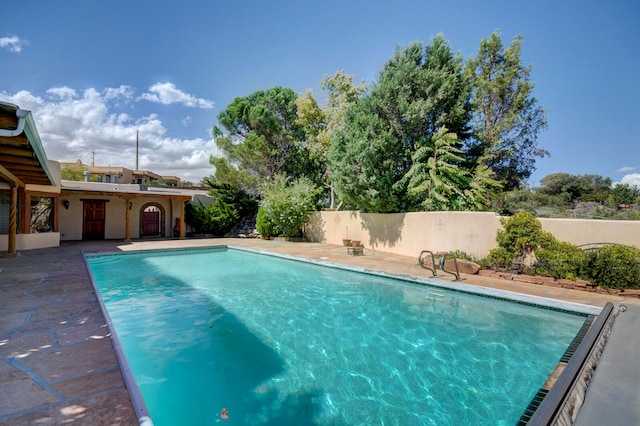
[435, 177]
[440, 184]
[76, 173]
[568, 187]
[571, 188]
[264, 138]
[418, 92]
[365, 160]
[321, 124]
[623, 193]
[506, 117]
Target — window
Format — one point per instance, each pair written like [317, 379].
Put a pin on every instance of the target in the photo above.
[116, 179]
[42, 214]
[5, 201]
[107, 178]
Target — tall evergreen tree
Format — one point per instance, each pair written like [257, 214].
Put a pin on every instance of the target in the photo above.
[418, 91]
[506, 116]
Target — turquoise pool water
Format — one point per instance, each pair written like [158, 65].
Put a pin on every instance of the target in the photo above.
[275, 341]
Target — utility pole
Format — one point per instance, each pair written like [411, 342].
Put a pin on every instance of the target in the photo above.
[137, 144]
[93, 158]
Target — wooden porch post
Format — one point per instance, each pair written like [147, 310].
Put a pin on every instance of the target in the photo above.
[127, 220]
[183, 232]
[13, 227]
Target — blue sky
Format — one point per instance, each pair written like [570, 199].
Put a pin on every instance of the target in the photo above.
[93, 72]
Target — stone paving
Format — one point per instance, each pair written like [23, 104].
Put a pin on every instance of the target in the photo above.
[57, 364]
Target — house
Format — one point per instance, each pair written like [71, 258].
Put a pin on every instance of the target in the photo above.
[38, 209]
[29, 185]
[110, 174]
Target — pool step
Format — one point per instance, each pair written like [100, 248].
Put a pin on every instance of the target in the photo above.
[433, 294]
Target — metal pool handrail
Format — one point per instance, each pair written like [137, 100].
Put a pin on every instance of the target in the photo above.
[442, 259]
[433, 261]
[455, 262]
[550, 407]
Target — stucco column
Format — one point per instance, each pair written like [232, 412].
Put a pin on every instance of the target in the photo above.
[13, 227]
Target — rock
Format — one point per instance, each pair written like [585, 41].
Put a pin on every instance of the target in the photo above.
[464, 266]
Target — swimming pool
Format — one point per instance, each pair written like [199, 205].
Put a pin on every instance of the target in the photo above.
[272, 340]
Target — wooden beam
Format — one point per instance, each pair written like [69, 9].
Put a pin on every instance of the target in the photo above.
[29, 168]
[14, 141]
[7, 175]
[8, 121]
[12, 159]
[22, 152]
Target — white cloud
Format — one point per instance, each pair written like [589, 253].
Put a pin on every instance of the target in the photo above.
[74, 124]
[167, 93]
[13, 43]
[630, 179]
[626, 169]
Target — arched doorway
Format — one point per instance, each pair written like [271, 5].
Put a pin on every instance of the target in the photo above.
[152, 220]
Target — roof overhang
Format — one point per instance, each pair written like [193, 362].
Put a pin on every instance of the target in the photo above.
[22, 157]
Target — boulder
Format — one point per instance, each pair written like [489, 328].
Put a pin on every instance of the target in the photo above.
[464, 266]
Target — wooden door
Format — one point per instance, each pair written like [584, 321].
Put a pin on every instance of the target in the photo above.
[93, 220]
[151, 223]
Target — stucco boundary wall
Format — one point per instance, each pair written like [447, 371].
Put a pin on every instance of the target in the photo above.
[408, 234]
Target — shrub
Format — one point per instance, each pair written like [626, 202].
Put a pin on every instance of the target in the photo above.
[286, 206]
[216, 218]
[522, 230]
[462, 255]
[559, 260]
[499, 257]
[614, 266]
[263, 223]
[229, 205]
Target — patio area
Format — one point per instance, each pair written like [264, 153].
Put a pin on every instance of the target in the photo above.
[57, 364]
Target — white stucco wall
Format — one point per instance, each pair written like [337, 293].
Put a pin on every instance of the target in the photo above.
[31, 241]
[70, 221]
[472, 232]
[409, 233]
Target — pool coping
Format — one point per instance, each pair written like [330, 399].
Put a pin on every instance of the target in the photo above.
[139, 406]
[137, 400]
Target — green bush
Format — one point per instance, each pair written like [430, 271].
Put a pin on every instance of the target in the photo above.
[559, 260]
[229, 205]
[614, 266]
[499, 258]
[217, 218]
[286, 206]
[522, 230]
[263, 223]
